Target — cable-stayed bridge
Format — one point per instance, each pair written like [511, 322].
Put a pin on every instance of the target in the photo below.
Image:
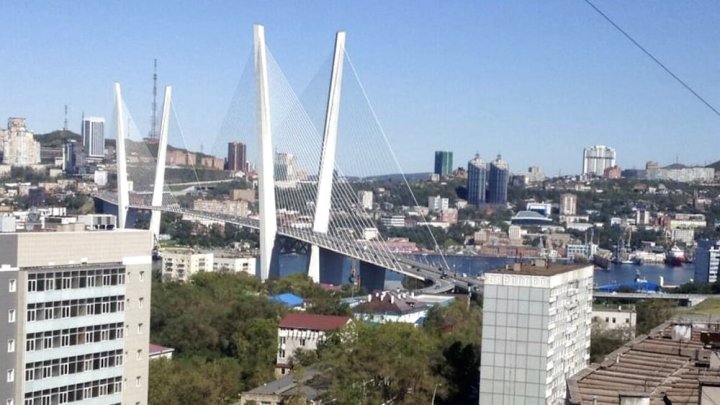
[303, 194]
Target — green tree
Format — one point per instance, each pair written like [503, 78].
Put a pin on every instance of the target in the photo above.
[604, 341]
[653, 312]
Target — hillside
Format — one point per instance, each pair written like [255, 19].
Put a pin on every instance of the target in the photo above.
[715, 165]
[56, 139]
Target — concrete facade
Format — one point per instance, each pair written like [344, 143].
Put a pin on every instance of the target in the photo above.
[80, 306]
[536, 333]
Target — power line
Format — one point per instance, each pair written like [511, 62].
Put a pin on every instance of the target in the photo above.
[656, 60]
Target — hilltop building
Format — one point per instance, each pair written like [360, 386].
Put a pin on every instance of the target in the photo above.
[536, 332]
[443, 163]
[568, 204]
[498, 179]
[93, 136]
[596, 159]
[18, 144]
[535, 174]
[237, 157]
[365, 198]
[477, 181]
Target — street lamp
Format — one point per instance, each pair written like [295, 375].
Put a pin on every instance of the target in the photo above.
[434, 392]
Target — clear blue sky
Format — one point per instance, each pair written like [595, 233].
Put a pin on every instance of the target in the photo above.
[536, 81]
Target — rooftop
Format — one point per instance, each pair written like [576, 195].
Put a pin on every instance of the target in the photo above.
[529, 269]
[288, 385]
[313, 322]
[656, 365]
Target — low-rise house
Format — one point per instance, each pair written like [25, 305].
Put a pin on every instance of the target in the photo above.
[310, 385]
[616, 318]
[303, 331]
[160, 352]
[391, 306]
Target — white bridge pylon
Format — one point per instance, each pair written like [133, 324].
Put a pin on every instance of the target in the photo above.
[268, 217]
[327, 159]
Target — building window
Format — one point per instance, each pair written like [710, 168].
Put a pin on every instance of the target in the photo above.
[142, 276]
[140, 329]
[10, 401]
[282, 353]
[32, 285]
[141, 303]
[11, 315]
[11, 375]
[137, 381]
[139, 354]
[12, 285]
[613, 320]
[302, 342]
[11, 345]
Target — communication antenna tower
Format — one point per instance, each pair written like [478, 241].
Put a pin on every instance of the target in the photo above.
[153, 120]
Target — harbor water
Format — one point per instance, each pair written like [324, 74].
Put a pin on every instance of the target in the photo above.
[477, 265]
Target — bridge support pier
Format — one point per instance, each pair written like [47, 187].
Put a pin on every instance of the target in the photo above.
[372, 277]
[326, 266]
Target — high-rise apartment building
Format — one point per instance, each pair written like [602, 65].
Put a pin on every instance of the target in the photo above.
[237, 157]
[75, 319]
[437, 203]
[443, 163]
[596, 159]
[536, 332]
[568, 204]
[707, 261]
[535, 174]
[18, 144]
[498, 179]
[93, 136]
[476, 181]
[365, 197]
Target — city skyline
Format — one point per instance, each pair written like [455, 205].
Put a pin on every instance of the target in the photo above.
[516, 78]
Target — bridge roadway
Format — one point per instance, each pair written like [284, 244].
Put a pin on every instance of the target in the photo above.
[440, 283]
[692, 299]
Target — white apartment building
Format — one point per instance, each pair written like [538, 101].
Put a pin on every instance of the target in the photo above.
[616, 318]
[93, 136]
[75, 319]
[596, 159]
[437, 203]
[568, 204]
[393, 221]
[366, 199]
[707, 261]
[536, 332]
[303, 331]
[180, 264]
[235, 264]
[18, 144]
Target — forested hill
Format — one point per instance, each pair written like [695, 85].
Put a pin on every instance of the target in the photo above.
[56, 139]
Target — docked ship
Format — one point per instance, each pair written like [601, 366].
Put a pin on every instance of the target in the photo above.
[602, 258]
[675, 256]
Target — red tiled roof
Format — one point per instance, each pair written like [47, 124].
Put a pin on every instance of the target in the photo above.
[159, 349]
[313, 322]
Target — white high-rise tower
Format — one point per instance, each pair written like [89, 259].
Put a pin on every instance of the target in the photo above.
[93, 136]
